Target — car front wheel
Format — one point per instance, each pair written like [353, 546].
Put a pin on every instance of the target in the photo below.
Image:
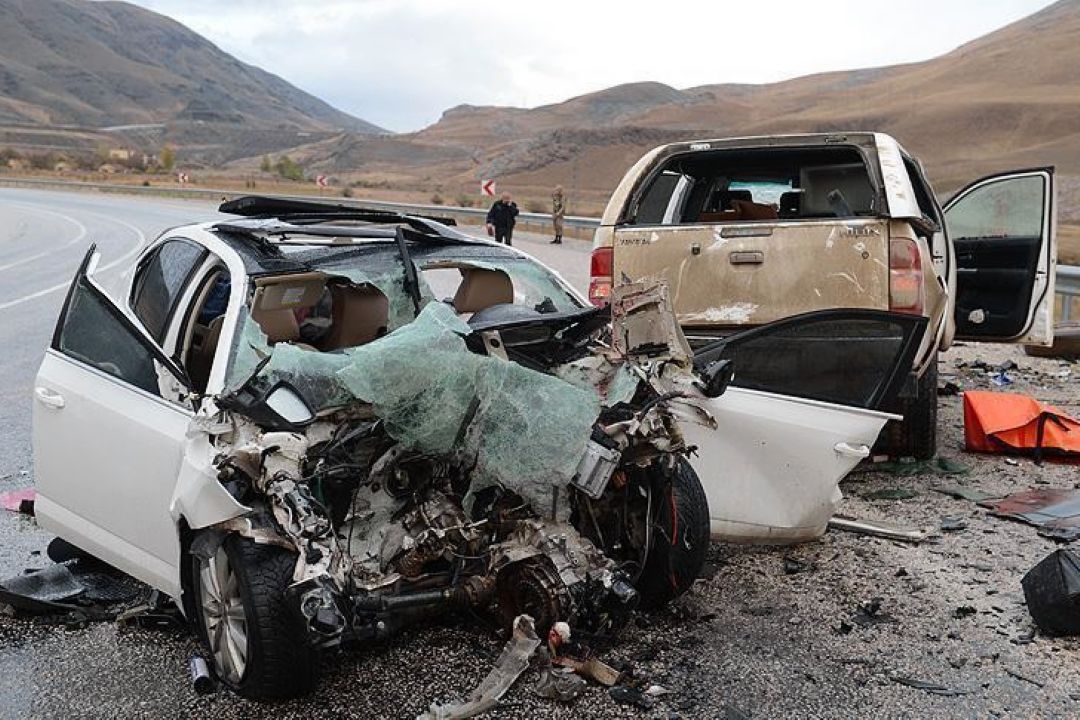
[258, 644]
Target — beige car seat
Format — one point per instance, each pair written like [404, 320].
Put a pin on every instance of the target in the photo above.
[358, 315]
[481, 288]
[275, 303]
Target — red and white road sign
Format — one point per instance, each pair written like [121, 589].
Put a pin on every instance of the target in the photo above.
[487, 187]
[182, 178]
[321, 181]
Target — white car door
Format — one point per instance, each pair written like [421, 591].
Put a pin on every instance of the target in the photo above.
[802, 410]
[1002, 228]
[107, 444]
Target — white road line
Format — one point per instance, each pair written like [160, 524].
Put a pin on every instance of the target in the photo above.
[63, 286]
[79, 236]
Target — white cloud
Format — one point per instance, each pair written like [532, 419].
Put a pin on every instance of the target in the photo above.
[400, 63]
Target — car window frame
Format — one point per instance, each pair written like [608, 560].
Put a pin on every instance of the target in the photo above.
[128, 323]
[914, 327]
[627, 218]
[138, 280]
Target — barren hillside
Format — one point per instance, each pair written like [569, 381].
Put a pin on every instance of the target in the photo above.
[1010, 98]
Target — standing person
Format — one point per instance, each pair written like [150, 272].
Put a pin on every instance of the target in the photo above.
[558, 213]
[501, 218]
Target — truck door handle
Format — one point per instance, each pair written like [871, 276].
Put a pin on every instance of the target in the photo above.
[49, 398]
[746, 257]
[851, 450]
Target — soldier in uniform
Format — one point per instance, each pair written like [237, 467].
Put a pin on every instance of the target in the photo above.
[558, 213]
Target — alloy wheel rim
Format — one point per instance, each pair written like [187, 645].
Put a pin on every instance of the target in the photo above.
[223, 615]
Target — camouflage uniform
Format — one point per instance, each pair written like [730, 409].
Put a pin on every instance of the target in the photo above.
[558, 214]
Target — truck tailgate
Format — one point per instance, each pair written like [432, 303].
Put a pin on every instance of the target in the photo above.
[755, 273]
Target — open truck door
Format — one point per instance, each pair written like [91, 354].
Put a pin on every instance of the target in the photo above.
[803, 409]
[1003, 231]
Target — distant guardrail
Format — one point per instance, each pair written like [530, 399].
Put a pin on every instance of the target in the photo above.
[1067, 280]
[474, 214]
[1067, 285]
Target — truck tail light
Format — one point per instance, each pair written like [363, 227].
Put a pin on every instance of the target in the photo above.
[601, 269]
[906, 293]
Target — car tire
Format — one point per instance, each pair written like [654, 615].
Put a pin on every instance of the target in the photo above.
[916, 435]
[258, 643]
[681, 539]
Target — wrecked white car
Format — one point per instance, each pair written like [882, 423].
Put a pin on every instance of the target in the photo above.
[312, 424]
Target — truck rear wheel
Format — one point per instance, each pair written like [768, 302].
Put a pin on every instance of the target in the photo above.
[916, 435]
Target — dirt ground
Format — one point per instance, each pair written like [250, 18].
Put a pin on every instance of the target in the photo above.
[821, 630]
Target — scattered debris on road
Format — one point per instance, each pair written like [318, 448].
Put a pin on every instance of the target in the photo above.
[19, 501]
[1054, 511]
[877, 529]
[1017, 424]
[1052, 593]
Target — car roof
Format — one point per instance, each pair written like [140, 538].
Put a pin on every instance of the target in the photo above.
[271, 258]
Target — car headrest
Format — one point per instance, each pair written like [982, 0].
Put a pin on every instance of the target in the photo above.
[288, 294]
[481, 288]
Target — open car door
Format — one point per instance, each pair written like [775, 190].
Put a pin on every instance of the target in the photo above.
[107, 442]
[803, 408]
[1002, 228]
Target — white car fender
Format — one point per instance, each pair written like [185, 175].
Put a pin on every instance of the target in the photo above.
[199, 499]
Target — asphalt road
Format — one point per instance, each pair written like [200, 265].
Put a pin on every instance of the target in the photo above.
[830, 629]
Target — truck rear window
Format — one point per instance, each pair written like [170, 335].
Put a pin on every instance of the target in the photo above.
[747, 185]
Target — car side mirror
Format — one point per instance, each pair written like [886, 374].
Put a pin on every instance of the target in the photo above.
[286, 403]
[716, 377]
[280, 407]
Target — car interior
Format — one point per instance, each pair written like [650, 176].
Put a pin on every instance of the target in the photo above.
[319, 312]
[765, 184]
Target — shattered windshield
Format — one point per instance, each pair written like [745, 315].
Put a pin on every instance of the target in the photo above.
[354, 295]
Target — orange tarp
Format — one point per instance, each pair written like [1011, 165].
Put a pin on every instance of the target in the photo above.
[1009, 423]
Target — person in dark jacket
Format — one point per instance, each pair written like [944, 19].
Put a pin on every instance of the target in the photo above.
[501, 218]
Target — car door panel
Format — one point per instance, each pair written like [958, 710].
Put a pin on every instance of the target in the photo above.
[803, 409]
[107, 445]
[1003, 231]
[105, 467]
[771, 469]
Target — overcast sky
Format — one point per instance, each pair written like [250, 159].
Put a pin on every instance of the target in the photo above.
[400, 63]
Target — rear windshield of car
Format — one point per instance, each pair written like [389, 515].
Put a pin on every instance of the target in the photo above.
[755, 185]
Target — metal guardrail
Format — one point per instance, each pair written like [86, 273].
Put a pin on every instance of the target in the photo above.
[1067, 285]
[1067, 280]
[477, 214]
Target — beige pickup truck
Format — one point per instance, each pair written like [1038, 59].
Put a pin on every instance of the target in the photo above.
[747, 231]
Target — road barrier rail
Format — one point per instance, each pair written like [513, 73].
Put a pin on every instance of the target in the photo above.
[1067, 280]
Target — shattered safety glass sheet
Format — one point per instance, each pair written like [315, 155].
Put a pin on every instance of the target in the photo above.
[521, 428]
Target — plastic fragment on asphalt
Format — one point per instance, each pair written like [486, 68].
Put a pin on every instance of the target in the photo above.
[1052, 593]
[1054, 511]
[963, 493]
[558, 683]
[19, 501]
[876, 529]
[592, 668]
[512, 661]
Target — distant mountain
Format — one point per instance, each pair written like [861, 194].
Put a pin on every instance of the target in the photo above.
[99, 64]
[1008, 99]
